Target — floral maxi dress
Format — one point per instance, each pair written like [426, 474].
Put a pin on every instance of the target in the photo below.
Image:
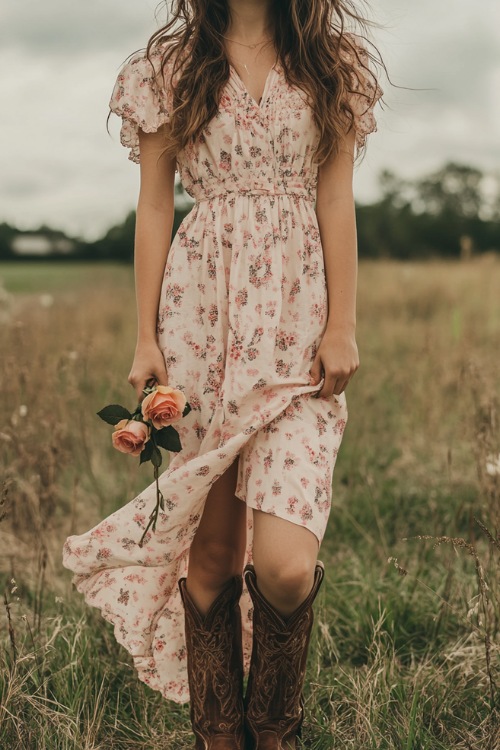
[242, 310]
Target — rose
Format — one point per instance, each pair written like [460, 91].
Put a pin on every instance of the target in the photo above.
[146, 430]
[130, 436]
[163, 406]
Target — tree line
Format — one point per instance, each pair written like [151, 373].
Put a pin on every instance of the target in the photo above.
[453, 212]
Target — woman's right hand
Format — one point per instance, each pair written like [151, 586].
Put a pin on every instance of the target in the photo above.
[148, 366]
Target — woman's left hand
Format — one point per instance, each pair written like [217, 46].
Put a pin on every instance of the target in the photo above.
[337, 358]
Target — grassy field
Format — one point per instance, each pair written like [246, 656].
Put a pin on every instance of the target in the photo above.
[405, 653]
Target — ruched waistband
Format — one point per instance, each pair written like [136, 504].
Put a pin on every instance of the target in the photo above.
[256, 191]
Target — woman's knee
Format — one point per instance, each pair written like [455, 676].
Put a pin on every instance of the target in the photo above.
[214, 560]
[288, 579]
[284, 556]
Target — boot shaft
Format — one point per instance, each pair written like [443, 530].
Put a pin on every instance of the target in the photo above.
[274, 704]
[215, 668]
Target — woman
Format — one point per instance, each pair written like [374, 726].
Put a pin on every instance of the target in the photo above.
[250, 310]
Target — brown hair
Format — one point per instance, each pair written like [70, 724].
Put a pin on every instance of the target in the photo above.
[314, 50]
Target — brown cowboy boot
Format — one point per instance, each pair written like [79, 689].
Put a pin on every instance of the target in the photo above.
[215, 669]
[274, 705]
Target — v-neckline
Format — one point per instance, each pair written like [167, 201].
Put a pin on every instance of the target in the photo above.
[265, 91]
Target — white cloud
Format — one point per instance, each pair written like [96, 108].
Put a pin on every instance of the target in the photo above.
[65, 29]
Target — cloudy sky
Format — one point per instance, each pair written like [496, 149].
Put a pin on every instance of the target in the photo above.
[59, 60]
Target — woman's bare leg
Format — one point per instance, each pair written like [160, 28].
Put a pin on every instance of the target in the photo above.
[218, 548]
[284, 557]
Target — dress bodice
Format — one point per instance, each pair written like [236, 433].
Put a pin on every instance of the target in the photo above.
[251, 148]
[265, 148]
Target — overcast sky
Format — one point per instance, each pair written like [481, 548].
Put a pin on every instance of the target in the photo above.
[59, 60]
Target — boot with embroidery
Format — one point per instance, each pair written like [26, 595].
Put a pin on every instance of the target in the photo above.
[215, 669]
[274, 705]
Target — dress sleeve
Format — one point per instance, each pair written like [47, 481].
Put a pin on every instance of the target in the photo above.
[139, 100]
[366, 91]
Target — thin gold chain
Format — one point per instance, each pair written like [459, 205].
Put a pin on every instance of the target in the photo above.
[252, 46]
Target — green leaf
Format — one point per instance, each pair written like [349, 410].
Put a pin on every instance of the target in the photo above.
[113, 413]
[168, 438]
[187, 409]
[156, 456]
[146, 452]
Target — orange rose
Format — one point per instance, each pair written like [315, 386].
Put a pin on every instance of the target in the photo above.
[130, 436]
[163, 406]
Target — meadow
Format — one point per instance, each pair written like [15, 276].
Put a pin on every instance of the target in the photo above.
[405, 653]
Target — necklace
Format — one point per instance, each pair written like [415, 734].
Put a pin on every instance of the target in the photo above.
[252, 46]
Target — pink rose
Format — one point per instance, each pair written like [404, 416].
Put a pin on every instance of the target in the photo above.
[130, 436]
[163, 406]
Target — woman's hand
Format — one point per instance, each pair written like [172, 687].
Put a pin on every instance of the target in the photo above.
[148, 366]
[337, 357]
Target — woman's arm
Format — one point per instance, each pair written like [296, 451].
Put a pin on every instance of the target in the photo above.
[153, 232]
[335, 210]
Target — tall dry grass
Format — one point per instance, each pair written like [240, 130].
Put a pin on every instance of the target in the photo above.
[406, 647]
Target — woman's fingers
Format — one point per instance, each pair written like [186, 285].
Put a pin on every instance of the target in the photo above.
[153, 381]
[149, 383]
[334, 385]
[316, 371]
[161, 378]
[340, 386]
[139, 389]
[148, 370]
[138, 384]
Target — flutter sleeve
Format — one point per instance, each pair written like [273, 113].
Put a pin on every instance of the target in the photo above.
[366, 90]
[140, 100]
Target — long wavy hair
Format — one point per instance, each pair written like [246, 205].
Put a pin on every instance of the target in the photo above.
[310, 39]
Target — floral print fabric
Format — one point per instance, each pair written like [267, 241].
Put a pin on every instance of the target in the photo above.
[242, 311]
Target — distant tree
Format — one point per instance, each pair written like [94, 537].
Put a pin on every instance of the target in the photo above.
[440, 214]
[455, 189]
[7, 232]
[118, 242]
[493, 196]
[432, 215]
[396, 192]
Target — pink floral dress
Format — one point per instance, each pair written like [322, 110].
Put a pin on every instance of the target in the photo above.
[242, 311]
